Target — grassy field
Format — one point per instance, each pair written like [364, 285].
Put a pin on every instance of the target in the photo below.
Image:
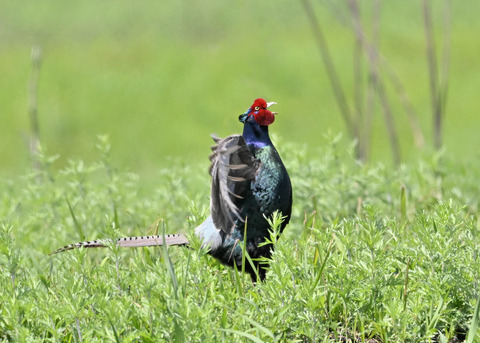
[128, 94]
[160, 78]
[372, 254]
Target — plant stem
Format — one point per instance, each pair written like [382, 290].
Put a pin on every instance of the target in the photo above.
[332, 74]
[32, 105]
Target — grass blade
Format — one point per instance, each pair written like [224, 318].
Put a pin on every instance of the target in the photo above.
[322, 267]
[257, 325]
[244, 334]
[403, 204]
[238, 283]
[245, 255]
[474, 325]
[114, 330]
[75, 221]
[244, 246]
[168, 262]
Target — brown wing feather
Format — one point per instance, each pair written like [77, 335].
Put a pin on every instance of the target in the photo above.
[233, 168]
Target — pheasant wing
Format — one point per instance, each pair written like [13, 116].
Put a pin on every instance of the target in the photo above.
[233, 168]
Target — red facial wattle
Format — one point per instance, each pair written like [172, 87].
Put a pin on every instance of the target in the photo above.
[261, 114]
[264, 117]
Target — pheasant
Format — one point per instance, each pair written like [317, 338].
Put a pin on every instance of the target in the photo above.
[249, 183]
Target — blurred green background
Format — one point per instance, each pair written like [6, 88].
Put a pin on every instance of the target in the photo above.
[160, 76]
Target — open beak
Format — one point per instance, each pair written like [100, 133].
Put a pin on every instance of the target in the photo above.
[270, 104]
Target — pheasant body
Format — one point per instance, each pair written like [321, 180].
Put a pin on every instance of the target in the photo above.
[269, 192]
[249, 183]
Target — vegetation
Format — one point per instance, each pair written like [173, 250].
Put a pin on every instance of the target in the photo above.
[372, 254]
[159, 78]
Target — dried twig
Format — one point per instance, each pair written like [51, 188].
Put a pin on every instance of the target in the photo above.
[32, 105]
[438, 84]
[443, 82]
[376, 83]
[332, 74]
[358, 81]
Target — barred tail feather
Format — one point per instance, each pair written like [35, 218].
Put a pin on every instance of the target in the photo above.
[147, 241]
[131, 242]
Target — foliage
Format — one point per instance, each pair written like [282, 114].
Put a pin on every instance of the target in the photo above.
[358, 261]
[159, 77]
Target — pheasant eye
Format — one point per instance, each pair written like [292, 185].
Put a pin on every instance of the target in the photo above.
[257, 108]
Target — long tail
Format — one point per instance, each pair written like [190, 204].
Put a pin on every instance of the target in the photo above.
[131, 242]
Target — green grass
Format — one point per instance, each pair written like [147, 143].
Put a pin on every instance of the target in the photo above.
[361, 259]
[159, 78]
[372, 253]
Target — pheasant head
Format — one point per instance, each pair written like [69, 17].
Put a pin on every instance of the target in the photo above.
[259, 111]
